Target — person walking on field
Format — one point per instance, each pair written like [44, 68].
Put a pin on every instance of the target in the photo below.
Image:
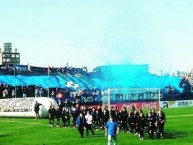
[111, 130]
[89, 120]
[36, 109]
[80, 122]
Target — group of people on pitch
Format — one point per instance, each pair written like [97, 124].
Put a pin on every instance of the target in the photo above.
[152, 123]
[128, 120]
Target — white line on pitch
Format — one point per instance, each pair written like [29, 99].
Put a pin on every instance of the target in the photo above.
[24, 122]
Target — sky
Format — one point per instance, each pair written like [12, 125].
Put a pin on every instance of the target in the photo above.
[101, 32]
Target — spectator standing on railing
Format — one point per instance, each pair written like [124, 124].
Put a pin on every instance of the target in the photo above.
[5, 93]
[36, 92]
[185, 84]
[36, 109]
[41, 92]
[24, 92]
[53, 94]
[13, 93]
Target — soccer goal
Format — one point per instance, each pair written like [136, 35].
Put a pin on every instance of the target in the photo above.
[127, 97]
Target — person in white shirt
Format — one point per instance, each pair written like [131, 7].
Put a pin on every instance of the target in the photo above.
[89, 120]
[5, 93]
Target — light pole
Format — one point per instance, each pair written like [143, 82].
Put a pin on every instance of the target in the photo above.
[48, 82]
[15, 82]
[108, 91]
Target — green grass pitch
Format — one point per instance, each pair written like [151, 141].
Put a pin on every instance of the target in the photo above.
[27, 131]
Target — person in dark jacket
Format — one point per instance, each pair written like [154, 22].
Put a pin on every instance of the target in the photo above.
[104, 118]
[58, 116]
[80, 124]
[36, 109]
[129, 121]
[97, 121]
[68, 117]
[140, 123]
[76, 113]
[161, 120]
[51, 115]
[185, 84]
[124, 115]
[150, 124]
[64, 117]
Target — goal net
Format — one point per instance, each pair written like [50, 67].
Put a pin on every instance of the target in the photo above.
[128, 97]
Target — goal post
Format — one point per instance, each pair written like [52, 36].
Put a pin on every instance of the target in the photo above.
[128, 97]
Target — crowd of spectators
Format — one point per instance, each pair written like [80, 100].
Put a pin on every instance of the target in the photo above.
[32, 70]
[169, 93]
[59, 94]
[7, 91]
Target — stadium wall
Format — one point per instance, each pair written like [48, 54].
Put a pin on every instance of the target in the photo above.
[24, 107]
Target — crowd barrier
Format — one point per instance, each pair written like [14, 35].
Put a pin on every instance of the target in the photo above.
[24, 107]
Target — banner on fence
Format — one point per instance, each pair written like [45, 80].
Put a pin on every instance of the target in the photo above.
[174, 104]
[120, 98]
[24, 107]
